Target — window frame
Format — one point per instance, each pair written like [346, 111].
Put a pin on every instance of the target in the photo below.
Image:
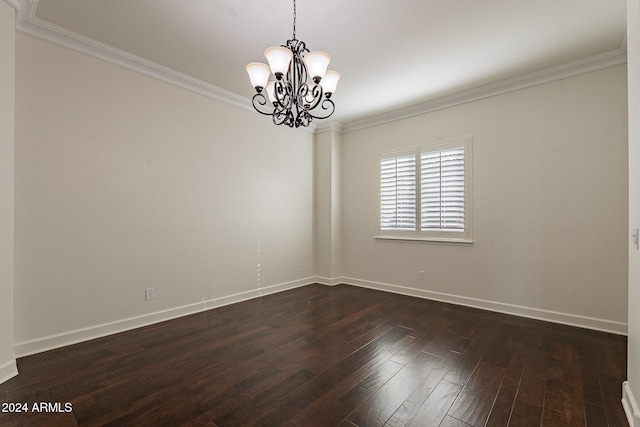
[446, 236]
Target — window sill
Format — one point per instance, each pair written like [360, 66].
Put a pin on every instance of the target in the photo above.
[425, 239]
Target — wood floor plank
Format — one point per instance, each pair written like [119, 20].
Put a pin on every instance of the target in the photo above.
[503, 406]
[302, 397]
[388, 398]
[350, 383]
[434, 409]
[336, 412]
[595, 415]
[416, 399]
[612, 394]
[476, 350]
[331, 356]
[533, 381]
[374, 344]
[449, 421]
[563, 415]
[525, 414]
[476, 398]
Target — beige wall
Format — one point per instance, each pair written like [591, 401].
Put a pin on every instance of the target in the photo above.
[328, 211]
[549, 209]
[7, 86]
[124, 183]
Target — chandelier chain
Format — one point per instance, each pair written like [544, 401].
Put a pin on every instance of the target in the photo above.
[294, 19]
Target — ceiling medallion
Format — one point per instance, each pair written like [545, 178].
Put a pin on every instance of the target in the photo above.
[292, 99]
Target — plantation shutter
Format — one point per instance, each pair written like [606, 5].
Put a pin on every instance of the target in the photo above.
[442, 190]
[398, 192]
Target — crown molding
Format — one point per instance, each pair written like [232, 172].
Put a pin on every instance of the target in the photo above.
[13, 3]
[571, 69]
[28, 23]
[329, 126]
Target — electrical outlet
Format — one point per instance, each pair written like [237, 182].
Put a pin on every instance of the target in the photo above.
[149, 294]
[296, 267]
[420, 275]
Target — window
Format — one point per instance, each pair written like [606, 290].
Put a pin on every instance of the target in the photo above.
[425, 193]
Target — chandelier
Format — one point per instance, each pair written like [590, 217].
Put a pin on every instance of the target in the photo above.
[302, 88]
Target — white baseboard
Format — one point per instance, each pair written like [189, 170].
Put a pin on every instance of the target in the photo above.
[8, 370]
[604, 325]
[329, 281]
[39, 345]
[631, 408]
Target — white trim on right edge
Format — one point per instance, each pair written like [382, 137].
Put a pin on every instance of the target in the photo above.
[603, 325]
[630, 406]
[8, 370]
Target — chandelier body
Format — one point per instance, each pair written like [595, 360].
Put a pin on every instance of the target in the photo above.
[302, 87]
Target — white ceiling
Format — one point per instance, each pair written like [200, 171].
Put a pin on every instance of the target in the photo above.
[391, 54]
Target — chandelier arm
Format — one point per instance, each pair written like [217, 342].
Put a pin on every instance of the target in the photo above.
[283, 92]
[304, 119]
[316, 96]
[326, 105]
[259, 102]
[280, 116]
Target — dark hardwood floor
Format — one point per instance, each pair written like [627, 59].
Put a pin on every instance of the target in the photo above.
[329, 356]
